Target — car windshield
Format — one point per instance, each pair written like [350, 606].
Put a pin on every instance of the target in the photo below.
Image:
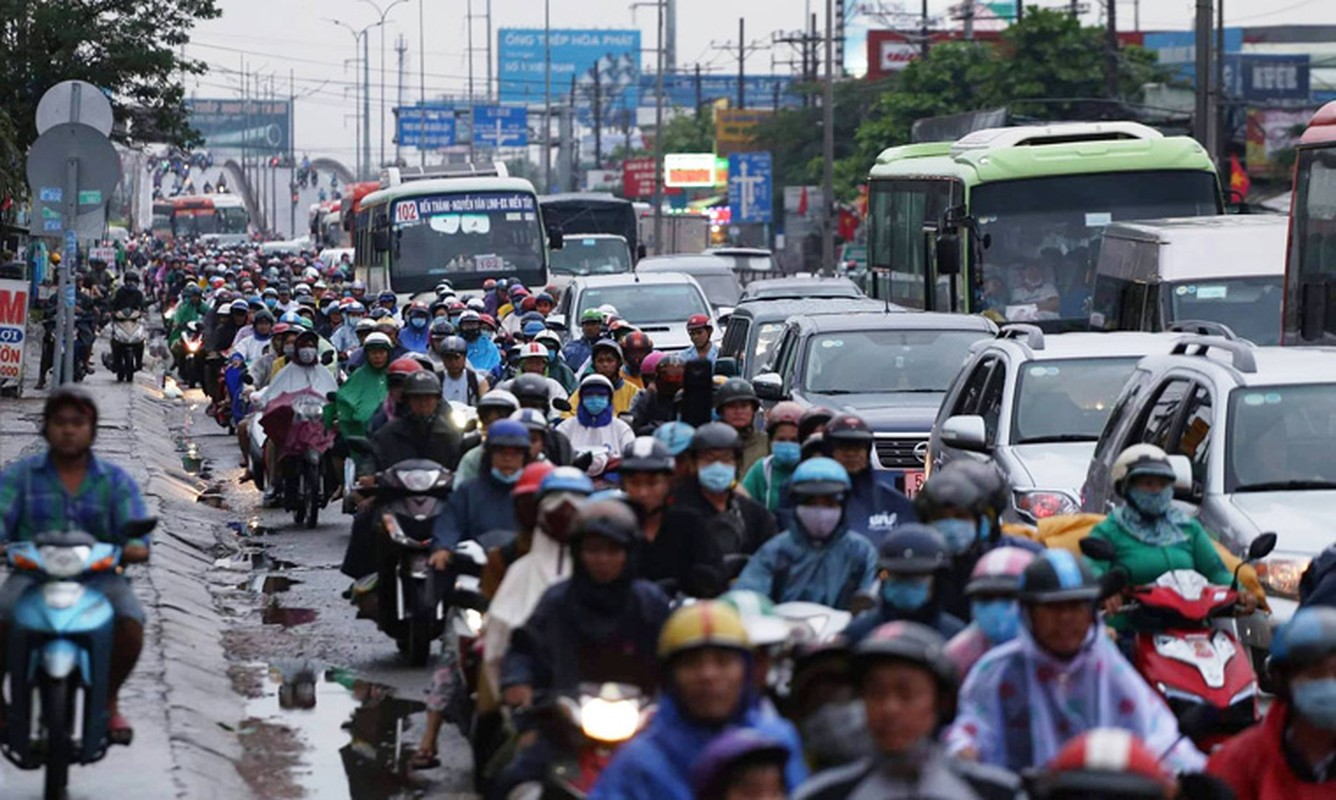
[646, 303]
[1067, 400]
[442, 236]
[882, 361]
[585, 255]
[1281, 437]
[720, 290]
[1249, 306]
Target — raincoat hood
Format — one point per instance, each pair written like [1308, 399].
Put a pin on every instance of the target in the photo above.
[359, 399]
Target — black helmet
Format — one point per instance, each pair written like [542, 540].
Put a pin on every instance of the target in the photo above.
[423, 382]
[993, 489]
[848, 429]
[1056, 576]
[262, 315]
[132, 277]
[811, 419]
[715, 436]
[647, 454]
[454, 344]
[733, 390]
[611, 519]
[914, 642]
[442, 327]
[529, 386]
[913, 549]
[949, 487]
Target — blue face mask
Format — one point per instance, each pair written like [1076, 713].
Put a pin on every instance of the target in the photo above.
[418, 322]
[906, 594]
[716, 477]
[595, 404]
[1000, 620]
[271, 302]
[787, 453]
[1151, 504]
[959, 533]
[1316, 701]
[504, 478]
[985, 529]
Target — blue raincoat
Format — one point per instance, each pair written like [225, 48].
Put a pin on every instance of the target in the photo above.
[483, 356]
[829, 573]
[416, 339]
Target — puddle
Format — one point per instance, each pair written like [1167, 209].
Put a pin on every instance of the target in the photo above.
[268, 584]
[358, 735]
[287, 617]
[249, 527]
[249, 560]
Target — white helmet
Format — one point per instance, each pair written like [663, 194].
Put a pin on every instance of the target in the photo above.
[1140, 459]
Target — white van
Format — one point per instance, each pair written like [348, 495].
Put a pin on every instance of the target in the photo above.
[1226, 270]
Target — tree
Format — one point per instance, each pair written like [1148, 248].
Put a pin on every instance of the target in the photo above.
[130, 48]
[689, 133]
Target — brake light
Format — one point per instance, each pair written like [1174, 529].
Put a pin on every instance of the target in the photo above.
[23, 562]
[1042, 505]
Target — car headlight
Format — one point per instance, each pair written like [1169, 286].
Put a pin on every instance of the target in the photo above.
[1037, 504]
[609, 721]
[1280, 576]
[64, 562]
[62, 594]
[419, 480]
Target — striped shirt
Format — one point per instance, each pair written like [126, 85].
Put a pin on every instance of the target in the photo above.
[33, 499]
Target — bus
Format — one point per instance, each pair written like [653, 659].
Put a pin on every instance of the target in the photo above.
[212, 217]
[414, 233]
[1309, 316]
[1006, 221]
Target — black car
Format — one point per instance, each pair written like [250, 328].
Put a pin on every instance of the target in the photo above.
[756, 324]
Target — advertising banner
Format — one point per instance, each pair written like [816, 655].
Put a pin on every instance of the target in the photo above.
[688, 170]
[228, 125]
[606, 59]
[735, 129]
[425, 127]
[13, 327]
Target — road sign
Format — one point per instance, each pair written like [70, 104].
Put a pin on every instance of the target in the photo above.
[425, 127]
[13, 327]
[74, 101]
[99, 170]
[500, 126]
[750, 187]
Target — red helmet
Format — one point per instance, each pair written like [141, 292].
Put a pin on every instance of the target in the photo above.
[698, 321]
[528, 303]
[786, 412]
[489, 284]
[637, 340]
[488, 320]
[532, 477]
[404, 366]
[1109, 761]
[650, 365]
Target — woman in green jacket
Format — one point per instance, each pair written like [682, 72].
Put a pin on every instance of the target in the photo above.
[765, 479]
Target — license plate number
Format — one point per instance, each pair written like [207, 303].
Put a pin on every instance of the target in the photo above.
[913, 482]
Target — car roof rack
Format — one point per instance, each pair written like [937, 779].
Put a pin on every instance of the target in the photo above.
[1202, 327]
[1240, 351]
[1030, 335]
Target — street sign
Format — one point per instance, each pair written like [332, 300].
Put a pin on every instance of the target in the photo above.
[74, 101]
[13, 327]
[425, 127]
[750, 188]
[500, 126]
[99, 170]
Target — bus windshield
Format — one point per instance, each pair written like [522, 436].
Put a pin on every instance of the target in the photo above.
[1042, 234]
[232, 220]
[457, 235]
[589, 255]
[194, 222]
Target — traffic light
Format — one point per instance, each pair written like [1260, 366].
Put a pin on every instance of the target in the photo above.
[274, 161]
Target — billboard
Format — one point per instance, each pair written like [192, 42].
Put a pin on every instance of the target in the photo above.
[1263, 78]
[689, 170]
[735, 129]
[13, 327]
[759, 91]
[425, 127]
[606, 59]
[229, 125]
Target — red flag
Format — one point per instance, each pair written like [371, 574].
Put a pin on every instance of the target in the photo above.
[1238, 177]
[802, 203]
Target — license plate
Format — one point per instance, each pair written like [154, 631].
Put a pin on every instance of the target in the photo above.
[417, 565]
[913, 482]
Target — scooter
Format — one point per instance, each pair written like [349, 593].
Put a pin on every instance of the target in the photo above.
[192, 359]
[59, 654]
[1184, 647]
[298, 423]
[127, 344]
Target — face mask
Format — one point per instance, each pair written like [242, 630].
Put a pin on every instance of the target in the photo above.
[307, 355]
[906, 594]
[716, 477]
[819, 521]
[1316, 702]
[1151, 504]
[504, 478]
[959, 533]
[787, 453]
[270, 302]
[1000, 620]
[289, 350]
[595, 404]
[352, 320]
[418, 322]
[471, 335]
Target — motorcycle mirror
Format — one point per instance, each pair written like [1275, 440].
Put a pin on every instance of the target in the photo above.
[332, 396]
[247, 378]
[359, 445]
[136, 528]
[1113, 582]
[1262, 546]
[561, 405]
[1097, 549]
[327, 357]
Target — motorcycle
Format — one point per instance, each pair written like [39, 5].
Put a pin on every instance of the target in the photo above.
[1186, 648]
[228, 410]
[59, 654]
[192, 356]
[127, 344]
[294, 421]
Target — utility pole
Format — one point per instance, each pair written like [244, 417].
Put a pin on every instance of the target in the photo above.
[366, 104]
[1221, 115]
[292, 151]
[828, 148]
[547, 95]
[742, 62]
[670, 35]
[1201, 115]
[488, 48]
[401, 47]
[468, 21]
[967, 14]
[598, 119]
[1111, 51]
[658, 132]
[422, 73]
[1020, 10]
[385, 12]
[923, 31]
[699, 100]
[1076, 8]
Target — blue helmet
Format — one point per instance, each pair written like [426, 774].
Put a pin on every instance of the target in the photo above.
[533, 328]
[1057, 576]
[819, 476]
[677, 435]
[507, 433]
[1309, 636]
[566, 479]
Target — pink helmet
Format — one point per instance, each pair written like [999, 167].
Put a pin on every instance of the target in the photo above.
[999, 571]
[650, 364]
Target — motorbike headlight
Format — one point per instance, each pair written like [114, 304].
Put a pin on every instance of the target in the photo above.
[64, 562]
[1037, 504]
[419, 480]
[62, 594]
[610, 721]
[473, 619]
[1280, 576]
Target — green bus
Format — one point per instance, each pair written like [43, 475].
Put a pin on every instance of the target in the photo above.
[1006, 221]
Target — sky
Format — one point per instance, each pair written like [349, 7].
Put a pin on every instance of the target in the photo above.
[278, 39]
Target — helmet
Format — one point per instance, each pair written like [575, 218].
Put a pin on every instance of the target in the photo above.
[785, 412]
[400, 368]
[647, 454]
[566, 479]
[728, 752]
[1138, 460]
[534, 350]
[386, 296]
[764, 626]
[947, 488]
[239, 305]
[676, 436]
[811, 419]
[263, 315]
[278, 330]
[454, 344]
[544, 297]
[470, 316]
[914, 642]
[610, 519]
[819, 476]
[709, 623]
[441, 327]
[636, 340]
[422, 383]
[591, 315]
[531, 418]
[607, 344]
[999, 571]
[366, 324]
[1309, 636]
[848, 429]
[507, 433]
[550, 340]
[1106, 762]
[698, 321]
[499, 399]
[992, 486]
[488, 321]
[715, 436]
[913, 549]
[1056, 576]
[417, 308]
[735, 390]
[529, 386]
[533, 328]
[650, 364]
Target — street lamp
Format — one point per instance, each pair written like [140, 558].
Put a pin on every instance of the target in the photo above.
[383, 14]
[364, 128]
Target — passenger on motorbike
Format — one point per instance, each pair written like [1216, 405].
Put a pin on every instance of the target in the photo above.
[392, 404]
[765, 480]
[635, 347]
[1059, 677]
[874, 507]
[579, 350]
[496, 404]
[736, 404]
[1291, 755]
[417, 327]
[252, 347]
[708, 501]
[70, 488]
[741, 765]
[818, 559]
[913, 561]
[190, 309]
[533, 360]
[657, 403]
[483, 504]
[483, 355]
[460, 382]
[594, 429]
[908, 688]
[344, 337]
[994, 608]
[706, 661]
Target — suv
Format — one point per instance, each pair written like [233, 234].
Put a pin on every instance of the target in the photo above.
[1035, 405]
[1251, 431]
[892, 369]
[755, 325]
[657, 303]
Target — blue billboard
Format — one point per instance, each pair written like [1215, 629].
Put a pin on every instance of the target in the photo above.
[750, 187]
[1266, 77]
[759, 91]
[1178, 49]
[583, 62]
[425, 127]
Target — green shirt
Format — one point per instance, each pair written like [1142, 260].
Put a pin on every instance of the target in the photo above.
[1144, 563]
[765, 482]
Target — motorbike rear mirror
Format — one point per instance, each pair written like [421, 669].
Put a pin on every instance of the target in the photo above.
[136, 528]
[359, 445]
[327, 357]
[1097, 549]
[332, 396]
[1262, 546]
[561, 404]
[1113, 582]
[247, 378]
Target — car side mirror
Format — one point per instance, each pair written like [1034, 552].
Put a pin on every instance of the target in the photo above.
[556, 322]
[1097, 549]
[555, 239]
[1262, 546]
[965, 432]
[726, 366]
[769, 386]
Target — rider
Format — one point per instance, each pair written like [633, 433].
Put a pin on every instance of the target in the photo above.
[741, 765]
[593, 429]
[417, 327]
[766, 478]
[1059, 677]
[69, 487]
[908, 688]
[344, 338]
[700, 329]
[578, 351]
[818, 559]
[736, 404]
[483, 355]
[874, 508]
[913, 560]
[128, 297]
[635, 347]
[304, 373]
[607, 361]
[483, 504]
[1289, 756]
[253, 346]
[362, 394]
[496, 404]
[657, 404]
[461, 383]
[556, 365]
[708, 502]
[708, 689]
[993, 605]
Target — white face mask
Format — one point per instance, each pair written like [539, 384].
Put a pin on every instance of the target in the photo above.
[819, 521]
[307, 355]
